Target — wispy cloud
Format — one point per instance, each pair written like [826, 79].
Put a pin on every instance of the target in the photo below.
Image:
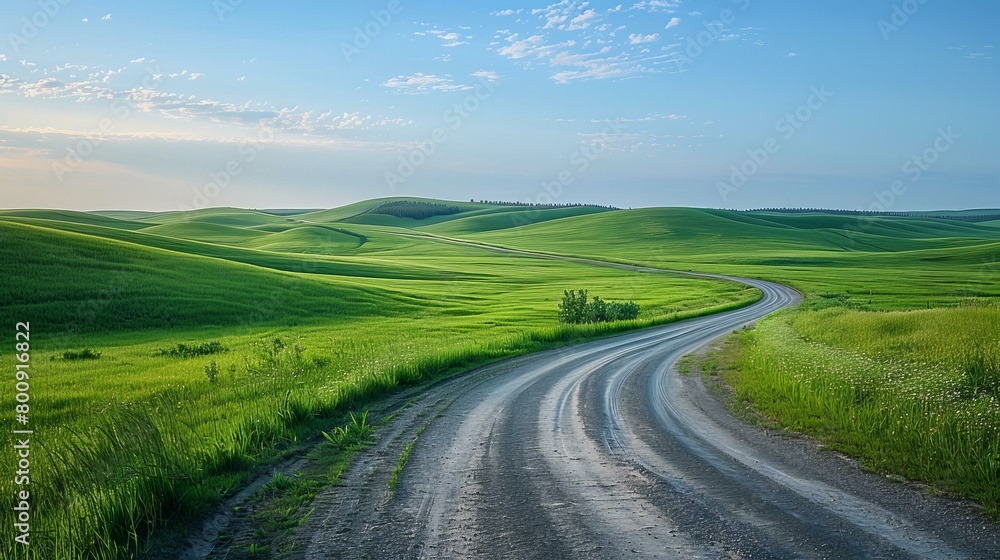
[639, 38]
[975, 53]
[107, 85]
[420, 83]
[580, 42]
[652, 6]
[449, 38]
[488, 75]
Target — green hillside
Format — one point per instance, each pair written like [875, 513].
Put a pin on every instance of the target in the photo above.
[94, 285]
[206, 231]
[309, 239]
[69, 216]
[283, 261]
[234, 217]
[132, 215]
[366, 213]
[878, 260]
[494, 221]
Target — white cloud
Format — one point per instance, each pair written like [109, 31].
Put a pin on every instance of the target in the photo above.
[488, 75]
[674, 22]
[3, 58]
[137, 60]
[423, 83]
[85, 20]
[582, 42]
[172, 105]
[639, 38]
[791, 55]
[533, 46]
[195, 76]
[975, 55]
[582, 21]
[668, 6]
[450, 38]
[106, 18]
[647, 118]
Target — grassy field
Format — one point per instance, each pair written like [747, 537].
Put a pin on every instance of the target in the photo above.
[315, 313]
[915, 394]
[150, 431]
[879, 264]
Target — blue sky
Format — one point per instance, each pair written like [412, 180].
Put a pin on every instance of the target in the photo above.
[730, 103]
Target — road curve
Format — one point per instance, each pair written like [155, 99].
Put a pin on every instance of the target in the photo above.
[602, 450]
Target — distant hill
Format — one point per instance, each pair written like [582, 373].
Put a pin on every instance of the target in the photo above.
[982, 215]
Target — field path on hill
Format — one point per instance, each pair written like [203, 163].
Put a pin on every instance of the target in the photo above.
[602, 450]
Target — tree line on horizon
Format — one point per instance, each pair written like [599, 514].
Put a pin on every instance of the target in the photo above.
[542, 205]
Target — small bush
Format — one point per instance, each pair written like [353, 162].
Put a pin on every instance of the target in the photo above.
[575, 309]
[85, 354]
[623, 310]
[192, 350]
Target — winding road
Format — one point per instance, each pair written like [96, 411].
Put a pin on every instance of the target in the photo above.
[602, 450]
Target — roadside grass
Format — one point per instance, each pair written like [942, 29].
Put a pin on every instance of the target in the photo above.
[915, 394]
[282, 505]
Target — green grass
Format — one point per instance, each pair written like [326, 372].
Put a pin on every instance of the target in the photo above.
[67, 284]
[318, 240]
[514, 217]
[363, 304]
[890, 264]
[75, 217]
[207, 231]
[910, 393]
[233, 217]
